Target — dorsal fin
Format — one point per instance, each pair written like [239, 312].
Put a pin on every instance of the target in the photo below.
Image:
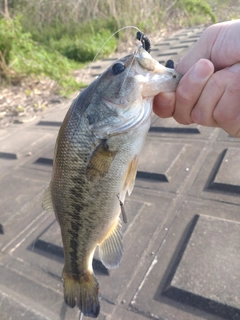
[130, 176]
[47, 203]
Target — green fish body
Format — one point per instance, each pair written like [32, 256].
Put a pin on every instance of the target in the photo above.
[95, 165]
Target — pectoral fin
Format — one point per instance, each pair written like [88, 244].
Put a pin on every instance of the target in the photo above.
[111, 248]
[100, 161]
[130, 176]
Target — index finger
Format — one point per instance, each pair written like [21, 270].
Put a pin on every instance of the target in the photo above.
[217, 43]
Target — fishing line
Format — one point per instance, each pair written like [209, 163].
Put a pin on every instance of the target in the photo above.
[134, 55]
[123, 28]
[145, 44]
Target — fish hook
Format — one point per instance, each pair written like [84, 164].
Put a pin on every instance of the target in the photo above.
[80, 315]
[124, 214]
[144, 40]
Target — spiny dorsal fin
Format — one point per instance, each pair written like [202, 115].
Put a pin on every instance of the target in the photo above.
[100, 161]
[111, 249]
[47, 199]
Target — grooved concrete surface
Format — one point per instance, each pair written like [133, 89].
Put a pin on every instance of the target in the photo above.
[182, 242]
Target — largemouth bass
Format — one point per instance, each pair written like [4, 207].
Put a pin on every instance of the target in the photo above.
[95, 165]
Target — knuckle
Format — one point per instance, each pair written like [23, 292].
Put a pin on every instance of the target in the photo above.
[196, 116]
[216, 83]
[182, 121]
[220, 116]
[227, 110]
[237, 133]
[233, 87]
[184, 94]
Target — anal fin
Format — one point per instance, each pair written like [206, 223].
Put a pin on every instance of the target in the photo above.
[111, 248]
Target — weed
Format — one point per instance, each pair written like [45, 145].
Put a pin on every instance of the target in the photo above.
[198, 8]
[84, 48]
[26, 57]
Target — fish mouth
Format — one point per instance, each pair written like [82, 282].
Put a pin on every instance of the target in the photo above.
[151, 75]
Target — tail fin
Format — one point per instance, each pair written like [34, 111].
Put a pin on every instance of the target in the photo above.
[83, 293]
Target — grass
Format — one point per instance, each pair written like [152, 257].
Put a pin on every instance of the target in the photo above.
[25, 53]
[25, 57]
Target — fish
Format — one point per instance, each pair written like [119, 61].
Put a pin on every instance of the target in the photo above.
[95, 165]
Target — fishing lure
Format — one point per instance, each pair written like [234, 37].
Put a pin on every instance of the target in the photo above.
[147, 46]
[144, 40]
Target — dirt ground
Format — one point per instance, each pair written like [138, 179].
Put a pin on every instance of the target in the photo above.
[23, 102]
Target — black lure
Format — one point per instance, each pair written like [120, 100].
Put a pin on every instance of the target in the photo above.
[144, 40]
[147, 46]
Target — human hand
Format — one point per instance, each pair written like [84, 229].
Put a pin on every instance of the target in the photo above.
[202, 96]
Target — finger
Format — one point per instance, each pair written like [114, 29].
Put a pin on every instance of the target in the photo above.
[164, 103]
[190, 88]
[200, 50]
[219, 103]
[202, 113]
[214, 44]
[196, 53]
[227, 112]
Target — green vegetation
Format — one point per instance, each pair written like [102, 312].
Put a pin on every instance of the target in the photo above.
[79, 42]
[52, 38]
[21, 56]
[197, 11]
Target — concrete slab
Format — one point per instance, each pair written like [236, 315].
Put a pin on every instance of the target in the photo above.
[228, 173]
[165, 165]
[175, 258]
[213, 181]
[207, 276]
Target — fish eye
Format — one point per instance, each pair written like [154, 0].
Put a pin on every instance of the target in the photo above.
[118, 68]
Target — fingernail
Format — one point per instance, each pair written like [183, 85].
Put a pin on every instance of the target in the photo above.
[201, 70]
[234, 68]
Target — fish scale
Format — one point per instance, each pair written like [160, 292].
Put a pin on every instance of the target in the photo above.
[95, 165]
